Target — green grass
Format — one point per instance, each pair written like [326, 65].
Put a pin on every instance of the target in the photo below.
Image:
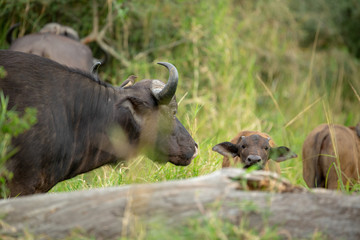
[242, 65]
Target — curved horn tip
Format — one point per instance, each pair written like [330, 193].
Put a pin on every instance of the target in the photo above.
[166, 64]
[98, 63]
[95, 67]
[172, 69]
[9, 38]
[168, 92]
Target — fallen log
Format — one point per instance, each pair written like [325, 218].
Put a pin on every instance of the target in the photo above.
[110, 213]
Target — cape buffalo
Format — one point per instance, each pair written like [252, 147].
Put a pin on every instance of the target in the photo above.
[330, 151]
[252, 148]
[56, 42]
[83, 124]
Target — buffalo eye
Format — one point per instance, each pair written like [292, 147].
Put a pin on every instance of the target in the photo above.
[243, 146]
[266, 148]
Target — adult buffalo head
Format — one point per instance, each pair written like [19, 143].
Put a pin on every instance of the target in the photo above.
[155, 111]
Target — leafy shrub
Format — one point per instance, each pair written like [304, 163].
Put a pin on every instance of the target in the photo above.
[11, 125]
[335, 22]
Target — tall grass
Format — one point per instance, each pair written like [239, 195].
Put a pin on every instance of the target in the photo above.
[242, 66]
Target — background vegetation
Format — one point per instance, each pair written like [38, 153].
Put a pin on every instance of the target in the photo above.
[11, 125]
[278, 66]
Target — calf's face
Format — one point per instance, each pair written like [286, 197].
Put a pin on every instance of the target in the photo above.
[254, 150]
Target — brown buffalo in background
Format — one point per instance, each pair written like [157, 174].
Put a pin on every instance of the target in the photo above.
[56, 42]
[252, 148]
[329, 149]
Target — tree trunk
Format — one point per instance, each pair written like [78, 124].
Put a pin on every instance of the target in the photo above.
[119, 211]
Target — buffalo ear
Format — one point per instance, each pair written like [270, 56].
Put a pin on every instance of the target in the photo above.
[280, 154]
[136, 104]
[226, 149]
[137, 107]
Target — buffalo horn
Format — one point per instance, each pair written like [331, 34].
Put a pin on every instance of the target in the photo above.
[9, 37]
[167, 93]
[94, 69]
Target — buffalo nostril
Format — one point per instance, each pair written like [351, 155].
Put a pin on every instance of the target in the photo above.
[253, 159]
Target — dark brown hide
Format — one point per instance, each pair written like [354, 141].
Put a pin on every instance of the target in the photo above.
[84, 124]
[328, 147]
[252, 148]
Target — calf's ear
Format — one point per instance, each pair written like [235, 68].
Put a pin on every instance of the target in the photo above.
[280, 154]
[226, 149]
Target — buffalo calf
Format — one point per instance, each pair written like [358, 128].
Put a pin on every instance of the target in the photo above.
[330, 151]
[83, 124]
[252, 148]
